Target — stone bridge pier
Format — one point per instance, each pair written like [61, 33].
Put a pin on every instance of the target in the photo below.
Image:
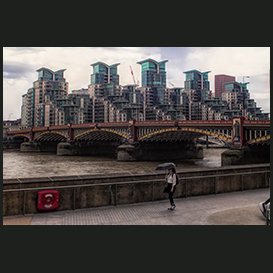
[28, 147]
[143, 151]
[91, 148]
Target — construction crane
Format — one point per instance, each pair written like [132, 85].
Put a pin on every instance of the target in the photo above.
[171, 84]
[133, 76]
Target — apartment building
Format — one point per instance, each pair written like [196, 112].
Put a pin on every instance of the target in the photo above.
[197, 89]
[38, 109]
[48, 103]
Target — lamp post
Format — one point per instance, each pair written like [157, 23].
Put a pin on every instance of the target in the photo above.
[244, 78]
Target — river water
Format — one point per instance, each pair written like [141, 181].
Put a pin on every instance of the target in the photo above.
[24, 165]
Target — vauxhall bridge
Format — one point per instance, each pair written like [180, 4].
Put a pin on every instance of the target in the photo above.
[149, 136]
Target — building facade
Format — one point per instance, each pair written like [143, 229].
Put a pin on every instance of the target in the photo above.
[153, 73]
[103, 73]
[38, 108]
[158, 101]
[239, 103]
[106, 93]
[48, 103]
[219, 81]
[197, 88]
[153, 80]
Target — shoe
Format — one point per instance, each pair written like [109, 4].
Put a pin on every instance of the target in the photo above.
[262, 208]
[172, 207]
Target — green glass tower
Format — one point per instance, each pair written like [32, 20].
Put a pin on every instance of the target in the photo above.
[153, 77]
[153, 73]
[103, 73]
[197, 80]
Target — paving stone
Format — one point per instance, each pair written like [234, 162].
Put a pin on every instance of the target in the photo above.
[189, 211]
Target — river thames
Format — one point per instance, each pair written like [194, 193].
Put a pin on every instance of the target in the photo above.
[23, 165]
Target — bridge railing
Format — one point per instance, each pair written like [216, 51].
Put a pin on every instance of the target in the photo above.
[241, 130]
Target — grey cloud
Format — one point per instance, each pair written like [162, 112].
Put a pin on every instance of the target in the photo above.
[264, 104]
[259, 83]
[13, 70]
[26, 50]
[175, 53]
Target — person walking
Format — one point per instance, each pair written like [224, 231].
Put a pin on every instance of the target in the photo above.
[171, 180]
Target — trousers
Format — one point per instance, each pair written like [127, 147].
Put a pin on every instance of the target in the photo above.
[170, 194]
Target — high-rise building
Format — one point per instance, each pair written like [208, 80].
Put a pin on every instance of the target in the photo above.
[153, 79]
[104, 73]
[219, 81]
[236, 94]
[104, 91]
[48, 103]
[238, 99]
[197, 86]
[196, 80]
[38, 106]
[153, 73]
[82, 112]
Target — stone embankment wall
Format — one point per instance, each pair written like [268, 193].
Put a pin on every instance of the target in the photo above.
[12, 144]
[193, 182]
[246, 155]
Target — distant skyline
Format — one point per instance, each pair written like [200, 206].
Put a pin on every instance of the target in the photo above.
[20, 65]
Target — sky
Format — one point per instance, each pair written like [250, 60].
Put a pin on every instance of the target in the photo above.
[20, 65]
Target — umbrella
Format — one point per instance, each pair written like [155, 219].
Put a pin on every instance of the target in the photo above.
[165, 166]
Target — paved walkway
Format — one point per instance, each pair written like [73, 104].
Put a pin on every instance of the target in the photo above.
[235, 208]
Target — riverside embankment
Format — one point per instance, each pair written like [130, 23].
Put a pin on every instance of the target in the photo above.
[85, 191]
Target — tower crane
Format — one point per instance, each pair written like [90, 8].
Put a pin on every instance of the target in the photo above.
[171, 84]
[133, 76]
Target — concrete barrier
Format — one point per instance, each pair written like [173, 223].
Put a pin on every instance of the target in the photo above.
[123, 188]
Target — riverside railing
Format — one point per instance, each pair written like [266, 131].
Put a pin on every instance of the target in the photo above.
[215, 176]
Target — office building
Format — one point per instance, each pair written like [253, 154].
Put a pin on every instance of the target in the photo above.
[219, 81]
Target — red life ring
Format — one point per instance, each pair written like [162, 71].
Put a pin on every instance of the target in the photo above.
[48, 200]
